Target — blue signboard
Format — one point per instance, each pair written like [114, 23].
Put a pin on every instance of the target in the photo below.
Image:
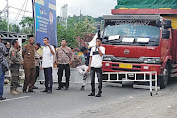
[45, 21]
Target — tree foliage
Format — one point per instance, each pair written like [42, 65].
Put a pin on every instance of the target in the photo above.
[27, 25]
[3, 25]
[77, 27]
[14, 28]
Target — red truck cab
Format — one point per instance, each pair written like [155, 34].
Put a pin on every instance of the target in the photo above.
[141, 40]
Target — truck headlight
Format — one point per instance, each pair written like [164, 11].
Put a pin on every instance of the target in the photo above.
[108, 58]
[150, 60]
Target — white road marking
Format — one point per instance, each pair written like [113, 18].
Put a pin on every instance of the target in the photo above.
[15, 99]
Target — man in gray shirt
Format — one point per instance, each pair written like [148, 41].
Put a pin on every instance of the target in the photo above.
[3, 53]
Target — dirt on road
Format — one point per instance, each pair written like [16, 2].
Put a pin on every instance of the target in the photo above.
[163, 105]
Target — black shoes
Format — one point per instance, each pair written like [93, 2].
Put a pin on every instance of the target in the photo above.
[66, 88]
[98, 95]
[58, 88]
[44, 91]
[91, 94]
[24, 91]
[82, 88]
[2, 98]
[31, 91]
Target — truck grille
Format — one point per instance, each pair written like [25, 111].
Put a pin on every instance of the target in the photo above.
[120, 69]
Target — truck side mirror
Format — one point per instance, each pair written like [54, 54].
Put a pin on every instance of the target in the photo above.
[167, 24]
[165, 34]
[158, 23]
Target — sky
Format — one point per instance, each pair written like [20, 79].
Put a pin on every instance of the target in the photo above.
[93, 8]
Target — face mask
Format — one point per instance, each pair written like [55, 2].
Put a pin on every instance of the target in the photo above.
[75, 53]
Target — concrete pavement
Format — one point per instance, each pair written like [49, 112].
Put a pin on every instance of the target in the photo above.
[73, 103]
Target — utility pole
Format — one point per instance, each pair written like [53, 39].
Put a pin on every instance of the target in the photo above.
[7, 18]
[80, 25]
[34, 25]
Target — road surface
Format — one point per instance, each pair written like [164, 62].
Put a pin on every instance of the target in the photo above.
[115, 102]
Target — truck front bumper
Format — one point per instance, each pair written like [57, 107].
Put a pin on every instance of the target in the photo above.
[132, 67]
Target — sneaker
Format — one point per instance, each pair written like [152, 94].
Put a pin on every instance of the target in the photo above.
[98, 95]
[2, 98]
[13, 92]
[49, 91]
[85, 76]
[82, 88]
[91, 94]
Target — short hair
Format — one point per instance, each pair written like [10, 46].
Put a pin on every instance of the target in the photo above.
[29, 36]
[46, 38]
[38, 44]
[14, 42]
[76, 49]
[99, 39]
[82, 49]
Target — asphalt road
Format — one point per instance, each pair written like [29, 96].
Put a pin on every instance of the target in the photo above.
[115, 102]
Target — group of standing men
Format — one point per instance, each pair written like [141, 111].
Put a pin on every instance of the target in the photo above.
[63, 56]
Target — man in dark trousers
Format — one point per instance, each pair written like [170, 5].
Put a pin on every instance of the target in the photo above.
[47, 64]
[37, 62]
[64, 57]
[95, 64]
[3, 54]
[28, 54]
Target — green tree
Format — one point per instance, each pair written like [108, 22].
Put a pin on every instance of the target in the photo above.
[3, 25]
[75, 27]
[14, 28]
[67, 33]
[27, 25]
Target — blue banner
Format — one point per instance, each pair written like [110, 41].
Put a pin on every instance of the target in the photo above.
[45, 21]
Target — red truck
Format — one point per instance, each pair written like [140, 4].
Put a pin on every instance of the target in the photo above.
[141, 40]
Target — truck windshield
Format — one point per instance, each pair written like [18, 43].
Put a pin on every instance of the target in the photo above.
[132, 31]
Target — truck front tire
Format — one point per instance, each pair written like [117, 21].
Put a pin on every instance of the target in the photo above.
[165, 77]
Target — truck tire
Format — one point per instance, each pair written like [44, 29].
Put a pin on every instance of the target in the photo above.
[165, 77]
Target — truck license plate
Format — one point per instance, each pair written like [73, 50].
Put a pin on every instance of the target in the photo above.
[125, 66]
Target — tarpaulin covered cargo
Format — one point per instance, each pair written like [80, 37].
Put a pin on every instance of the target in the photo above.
[152, 4]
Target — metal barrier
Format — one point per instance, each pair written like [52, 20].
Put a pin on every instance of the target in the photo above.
[134, 78]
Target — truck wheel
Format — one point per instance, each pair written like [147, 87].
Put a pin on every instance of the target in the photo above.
[165, 77]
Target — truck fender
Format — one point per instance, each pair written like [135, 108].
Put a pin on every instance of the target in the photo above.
[167, 60]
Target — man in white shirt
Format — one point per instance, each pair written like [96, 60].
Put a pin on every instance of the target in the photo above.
[47, 64]
[95, 64]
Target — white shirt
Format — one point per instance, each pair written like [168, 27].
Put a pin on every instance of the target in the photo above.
[96, 58]
[47, 60]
